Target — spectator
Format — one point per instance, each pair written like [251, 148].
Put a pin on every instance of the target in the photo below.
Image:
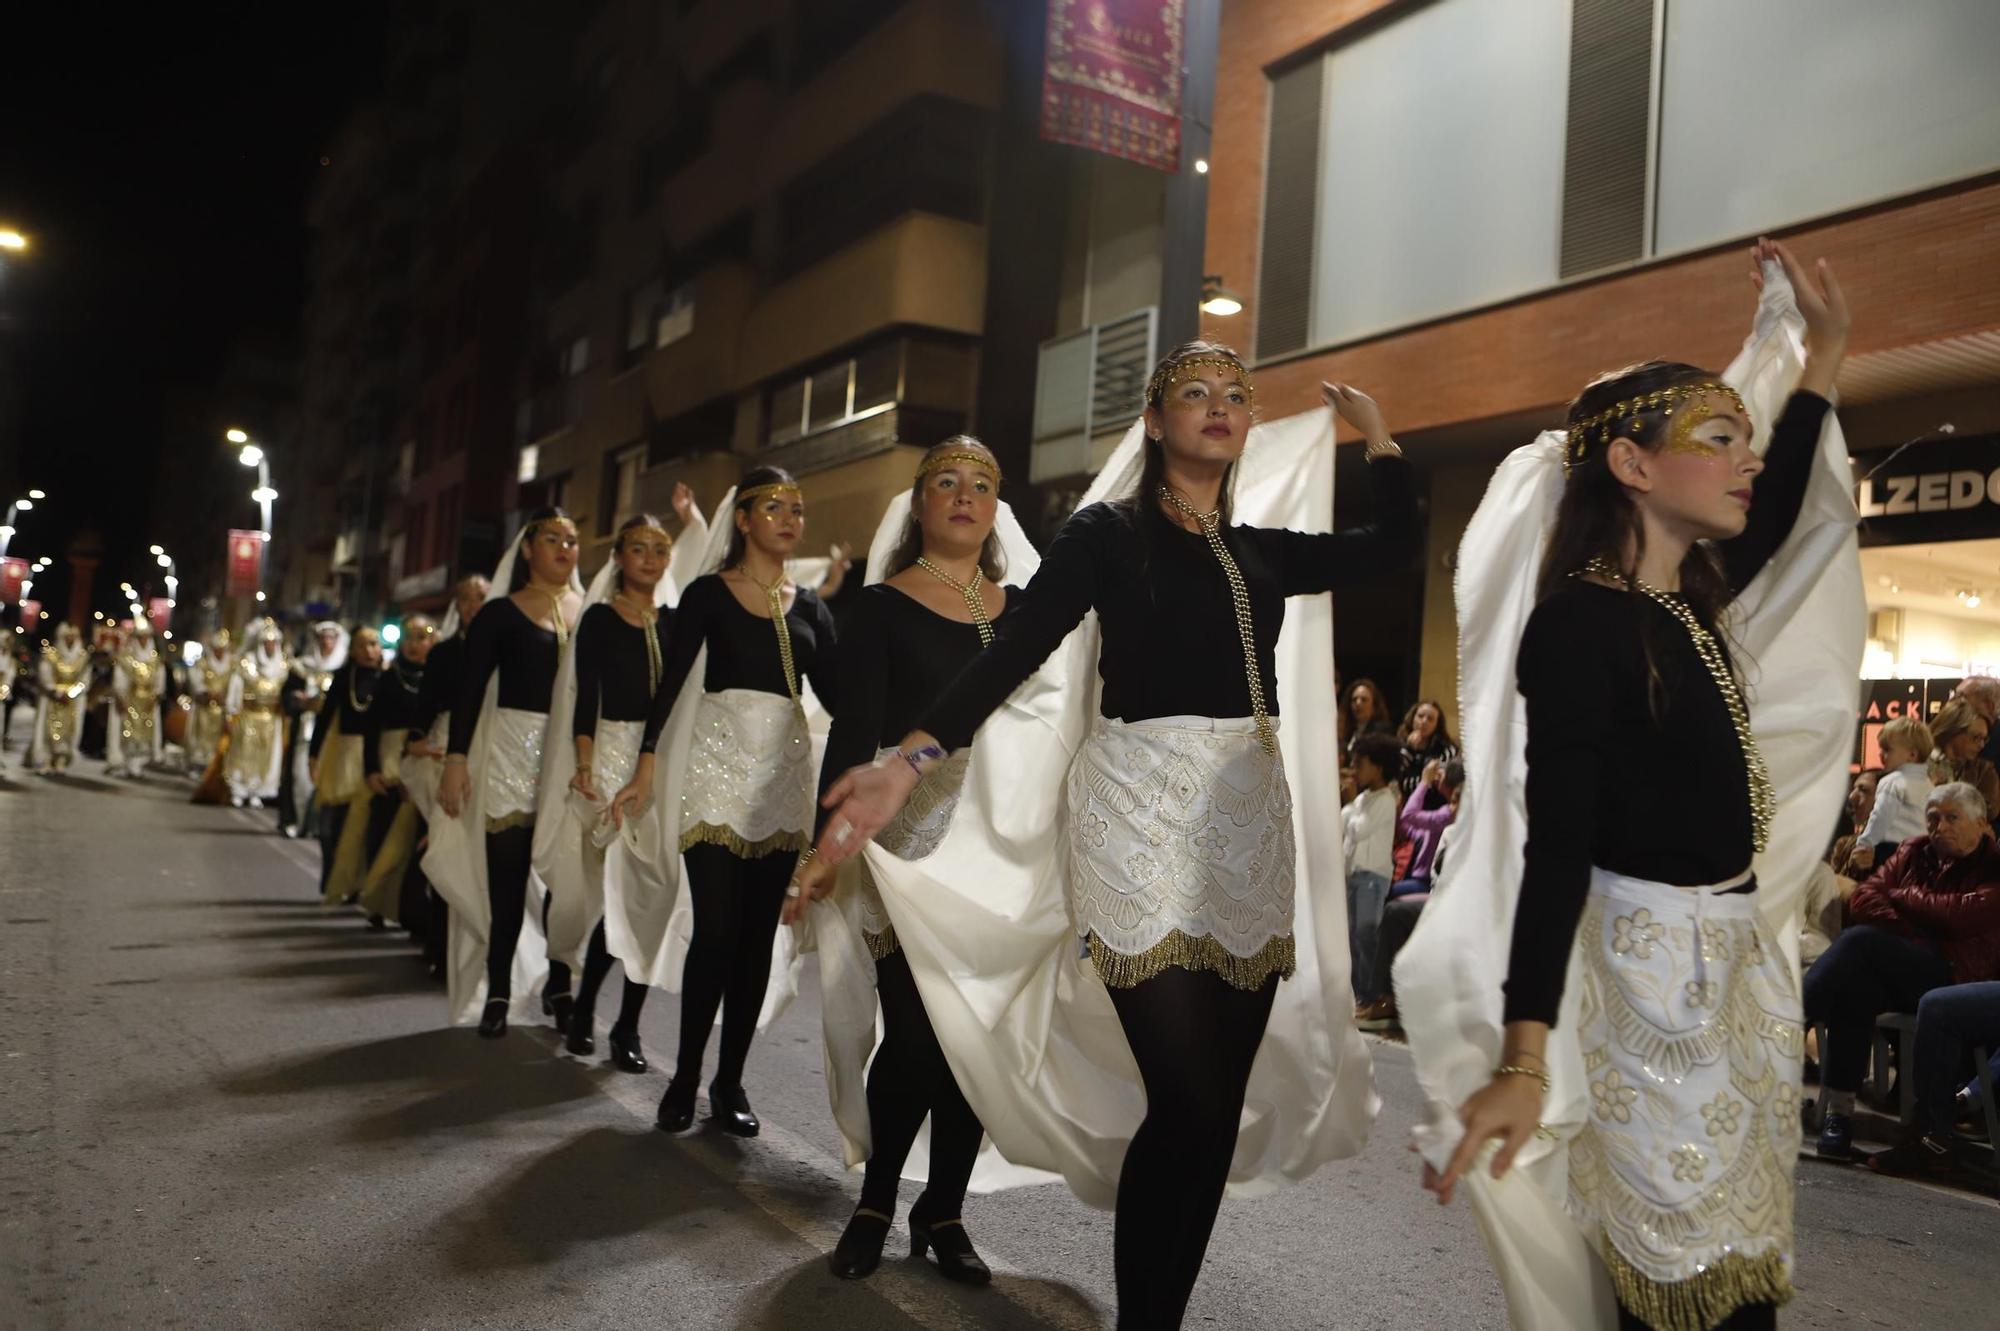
[1407, 901]
[1983, 692]
[1860, 804]
[1901, 794]
[1426, 740]
[1427, 811]
[1370, 842]
[1958, 733]
[1825, 906]
[1364, 712]
[1950, 1022]
[1928, 918]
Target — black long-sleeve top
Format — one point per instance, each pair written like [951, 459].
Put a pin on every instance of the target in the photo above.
[896, 656]
[394, 708]
[1663, 796]
[742, 649]
[1170, 644]
[613, 679]
[503, 638]
[348, 698]
[444, 670]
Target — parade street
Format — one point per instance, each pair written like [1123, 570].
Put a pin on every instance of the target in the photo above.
[221, 1106]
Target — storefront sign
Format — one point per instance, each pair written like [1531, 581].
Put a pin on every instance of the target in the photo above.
[1940, 490]
[246, 563]
[1884, 700]
[1111, 80]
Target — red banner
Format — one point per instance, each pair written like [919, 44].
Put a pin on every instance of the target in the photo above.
[31, 615]
[160, 610]
[13, 572]
[246, 563]
[1111, 78]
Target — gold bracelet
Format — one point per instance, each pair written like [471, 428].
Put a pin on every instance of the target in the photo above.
[1516, 1070]
[1388, 448]
[806, 855]
[451, 758]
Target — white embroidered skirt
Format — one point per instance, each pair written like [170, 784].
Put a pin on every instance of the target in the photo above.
[614, 756]
[514, 767]
[917, 829]
[749, 784]
[1691, 1034]
[1181, 850]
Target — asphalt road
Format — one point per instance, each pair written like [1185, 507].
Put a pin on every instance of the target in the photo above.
[221, 1106]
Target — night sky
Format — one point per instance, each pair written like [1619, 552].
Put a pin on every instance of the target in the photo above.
[160, 166]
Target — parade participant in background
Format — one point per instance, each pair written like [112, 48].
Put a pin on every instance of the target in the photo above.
[132, 739]
[388, 838]
[10, 669]
[257, 743]
[423, 758]
[1182, 859]
[745, 810]
[208, 685]
[337, 763]
[303, 698]
[1663, 1081]
[481, 851]
[934, 600]
[62, 678]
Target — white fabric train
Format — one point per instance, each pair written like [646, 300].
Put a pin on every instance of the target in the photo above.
[985, 923]
[1801, 623]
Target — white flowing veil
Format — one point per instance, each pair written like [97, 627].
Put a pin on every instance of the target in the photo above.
[1027, 1026]
[576, 895]
[455, 863]
[849, 1020]
[1800, 624]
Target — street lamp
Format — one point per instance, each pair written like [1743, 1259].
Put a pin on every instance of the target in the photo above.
[14, 510]
[13, 240]
[251, 455]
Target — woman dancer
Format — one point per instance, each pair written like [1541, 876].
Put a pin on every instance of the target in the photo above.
[256, 745]
[63, 678]
[337, 756]
[602, 698]
[517, 637]
[208, 682]
[1646, 799]
[938, 605]
[390, 837]
[423, 759]
[747, 804]
[1182, 857]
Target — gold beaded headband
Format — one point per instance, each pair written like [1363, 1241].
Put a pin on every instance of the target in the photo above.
[1171, 375]
[559, 523]
[756, 492]
[1607, 424]
[959, 458]
[647, 529]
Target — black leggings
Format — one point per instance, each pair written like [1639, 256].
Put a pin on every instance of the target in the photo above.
[597, 965]
[332, 817]
[908, 1080]
[1750, 1317]
[1194, 1036]
[507, 862]
[736, 908]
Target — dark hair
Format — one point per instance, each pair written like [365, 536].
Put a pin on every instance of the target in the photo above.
[1382, 749]
[1596, 517]
[754, 477]
[1142, 502]
[1381, 708]
[992, 563]
[618, 539]
[1443, 732]
[527, 534]
[1454, 774]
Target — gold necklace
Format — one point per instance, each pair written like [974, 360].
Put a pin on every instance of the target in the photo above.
[774, 595]
[969, 592]
[560, 629]
[649, 622]
[1763, 799]
[1239, 594]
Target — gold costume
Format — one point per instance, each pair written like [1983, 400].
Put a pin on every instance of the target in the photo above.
[258, 735]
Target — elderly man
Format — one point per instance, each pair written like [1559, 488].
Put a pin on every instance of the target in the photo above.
[1928, 918]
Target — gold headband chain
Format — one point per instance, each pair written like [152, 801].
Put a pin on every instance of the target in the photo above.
[1169, 376]
[756, 492]
[560, 524]
[1604, 422]
[970, 459]
[648, 530]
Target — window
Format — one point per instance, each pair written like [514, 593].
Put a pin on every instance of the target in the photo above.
[524, 470]
[621, 486]
[788, 412]
[827, 398]
[416, 523]
[642, 305]
[577, 359]
[676, 318]
[878, 374]
[841, 392]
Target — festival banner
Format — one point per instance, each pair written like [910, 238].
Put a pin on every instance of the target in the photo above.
[31, 614]
[160, 610]
[13, 572]
[1111, 78]
[246, 563]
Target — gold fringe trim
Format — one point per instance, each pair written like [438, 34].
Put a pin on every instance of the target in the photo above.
[1119, 971]
[1702, 1301]
[507, 821]
[709, 834]
[881, 945]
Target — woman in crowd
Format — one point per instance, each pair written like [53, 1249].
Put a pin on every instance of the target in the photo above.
[208, 684]
[746, 807]
[936, 603]
[389, 839]
[1363, 710]
[423, 757]
[62, 678]
[1190, 934]
[1426, 740]
[338, 746]
[257, 744]
[1646, 797]
[514, 645]
[1958, 734]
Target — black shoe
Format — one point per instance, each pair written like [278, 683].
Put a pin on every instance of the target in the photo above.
[677, 1107]
[626, 1055]
[1926, 1156]
[859, 1251]
[581, 1037]
[376, 923]
[1836, 1137]
[947, 1238]
[729, 1109]
[561, 1007]
[493, 1021]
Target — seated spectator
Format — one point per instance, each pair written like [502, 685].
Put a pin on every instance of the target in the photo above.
[1370, 844]
[1427, 811]
[1905, 786]
[1950, 1022]
[1365, 713]
[1399, 917]
[1958, 733]
[1927, 918]
[1426, 740]
[1983, 692]
[1860, 804]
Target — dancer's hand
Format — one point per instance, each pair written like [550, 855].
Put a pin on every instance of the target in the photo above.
[1358, 410]
[836, 573]
[863, 801]
[580, 783]
[454, 789]
[683, 501]
[631, 801]
[814, 880]
[1509, 1108]
[1823, 304]
[378, 783]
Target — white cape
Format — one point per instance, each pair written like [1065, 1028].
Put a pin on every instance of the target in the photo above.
[1027, 1026]
[1801, 622]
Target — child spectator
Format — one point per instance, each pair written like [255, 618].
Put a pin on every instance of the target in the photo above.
[1370, 842]
[1904, 789]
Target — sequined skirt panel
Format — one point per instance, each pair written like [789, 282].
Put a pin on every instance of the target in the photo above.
[749, 783]
[614, 756]
[514, 767]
